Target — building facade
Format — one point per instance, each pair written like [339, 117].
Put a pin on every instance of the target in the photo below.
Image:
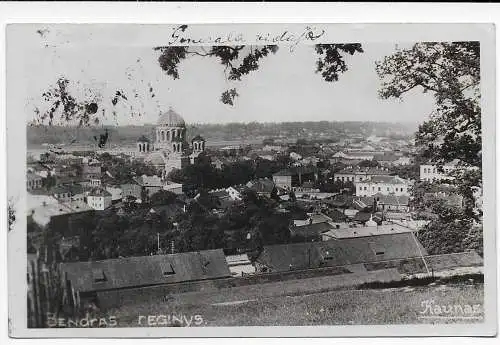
[432, 173]
[99, 199]
[385, 185]
[170, 149]
[33, 181]
[358, 174]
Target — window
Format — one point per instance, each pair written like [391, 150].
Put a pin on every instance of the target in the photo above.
[167, 269]
[396, 189]
[365, 188]
[387, 188]
[98, 275]
[425, 170]
[327, 255]
[360, 188]
[377, 249]
[373, 188]
[379, 189]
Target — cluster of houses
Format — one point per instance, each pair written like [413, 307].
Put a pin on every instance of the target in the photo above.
[372, 224]
[67, 184]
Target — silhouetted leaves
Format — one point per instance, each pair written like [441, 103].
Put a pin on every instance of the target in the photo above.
[452, 72]
[331, 63]
[169, 59]
[239, 61]
[228, 96]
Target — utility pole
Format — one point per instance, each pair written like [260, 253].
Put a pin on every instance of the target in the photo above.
[158, 241]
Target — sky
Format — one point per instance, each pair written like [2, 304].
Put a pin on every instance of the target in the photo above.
[284, 88]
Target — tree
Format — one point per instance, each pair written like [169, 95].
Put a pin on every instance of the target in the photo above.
[451, 71]
[162, 197]
[240, 60]
[409, 172]
[49, 181]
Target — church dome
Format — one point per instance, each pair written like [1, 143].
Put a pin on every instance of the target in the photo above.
[171, 119]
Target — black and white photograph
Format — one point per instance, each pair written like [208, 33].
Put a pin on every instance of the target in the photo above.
[189, 177]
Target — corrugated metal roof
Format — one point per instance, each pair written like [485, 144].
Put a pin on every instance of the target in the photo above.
[387, 179]
[147, 270]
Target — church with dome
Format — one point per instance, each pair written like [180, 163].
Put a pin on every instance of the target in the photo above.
[170, 150]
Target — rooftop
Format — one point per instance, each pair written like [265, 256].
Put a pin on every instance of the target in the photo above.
[44, 213]
[363, 231]
[386, 180]
[147, 270]
[100, 192]
[149, 181]
[364, 171]
[171, 119]
[310, 229]
[341, 252]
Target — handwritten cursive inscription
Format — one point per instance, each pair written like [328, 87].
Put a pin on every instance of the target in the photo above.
[182, 36]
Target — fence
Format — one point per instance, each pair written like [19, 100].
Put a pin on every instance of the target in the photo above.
[49, 295]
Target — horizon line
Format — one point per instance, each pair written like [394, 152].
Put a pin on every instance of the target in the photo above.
[226, 123]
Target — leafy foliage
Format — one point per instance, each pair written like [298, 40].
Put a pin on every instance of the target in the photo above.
[454, 236]
[451, 70]
[203, 175]
[69, 108]
[241, 60]
[331, 63]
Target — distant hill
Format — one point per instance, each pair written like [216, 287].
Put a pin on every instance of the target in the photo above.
[123, 135]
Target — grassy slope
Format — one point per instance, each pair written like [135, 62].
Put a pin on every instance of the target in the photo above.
[388, 306]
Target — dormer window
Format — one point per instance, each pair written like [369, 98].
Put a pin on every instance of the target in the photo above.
[377, 249]
[98, 276]
[327, 255]
[167, 269]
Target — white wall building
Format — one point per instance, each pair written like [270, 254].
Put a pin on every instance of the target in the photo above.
[385, 185]
[431, 173]
[99, 199]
